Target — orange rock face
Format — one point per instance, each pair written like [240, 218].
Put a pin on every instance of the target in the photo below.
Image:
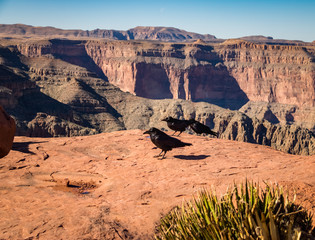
[164, 70]
[7, 131]
[233, 70]
[272, 73]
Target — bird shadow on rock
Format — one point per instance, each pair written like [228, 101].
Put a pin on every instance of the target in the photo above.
[23, 147]
[191, 157]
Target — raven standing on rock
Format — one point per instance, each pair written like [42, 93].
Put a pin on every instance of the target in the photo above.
[176, 124]
[164, 141]
[200, 128]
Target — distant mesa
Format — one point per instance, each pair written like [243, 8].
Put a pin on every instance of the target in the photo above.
[233, 41]
[166, 34]
[257, 38]
[163, 34]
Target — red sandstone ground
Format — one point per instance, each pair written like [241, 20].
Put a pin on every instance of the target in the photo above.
[109, 186]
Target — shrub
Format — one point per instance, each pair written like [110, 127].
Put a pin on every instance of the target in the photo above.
[245, 212]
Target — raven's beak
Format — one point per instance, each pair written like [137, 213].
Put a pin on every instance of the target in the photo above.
[163, 119]
[146, 132]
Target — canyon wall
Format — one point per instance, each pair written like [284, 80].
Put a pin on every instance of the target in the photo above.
[241, 71]
[272, 73]
[65, 88]
[13, 80]
[232, 71]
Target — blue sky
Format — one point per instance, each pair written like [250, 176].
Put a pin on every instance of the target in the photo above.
[293, 20]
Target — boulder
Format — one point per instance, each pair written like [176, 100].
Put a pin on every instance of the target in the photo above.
[7, 131]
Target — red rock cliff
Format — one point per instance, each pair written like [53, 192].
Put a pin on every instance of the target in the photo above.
[185, 71]
[234, 70]
[272, 73]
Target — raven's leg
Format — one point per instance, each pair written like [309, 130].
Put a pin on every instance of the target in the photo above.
[174, 133]
[214, 134]
[159, 154]
[163, 155]
[179, 133]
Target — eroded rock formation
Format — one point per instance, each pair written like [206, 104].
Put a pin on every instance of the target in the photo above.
[7, 131]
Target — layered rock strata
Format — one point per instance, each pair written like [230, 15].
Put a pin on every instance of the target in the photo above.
[73, 100]
[232, 71]
[272, 73]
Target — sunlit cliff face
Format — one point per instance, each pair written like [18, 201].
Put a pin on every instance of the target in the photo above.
[238, 71]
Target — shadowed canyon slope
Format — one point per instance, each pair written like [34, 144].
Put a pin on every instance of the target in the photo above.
[109, 186]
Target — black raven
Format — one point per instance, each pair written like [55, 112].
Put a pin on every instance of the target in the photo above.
[176, 124]
[200, 128]
[164, 141]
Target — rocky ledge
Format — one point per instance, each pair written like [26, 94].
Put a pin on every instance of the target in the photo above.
[109, 186]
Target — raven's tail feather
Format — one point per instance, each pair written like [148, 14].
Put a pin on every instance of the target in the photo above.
[187, 144]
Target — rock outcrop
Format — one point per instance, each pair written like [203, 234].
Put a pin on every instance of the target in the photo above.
[45, 125]
[285, 114]
[7, 131]
[232, 125]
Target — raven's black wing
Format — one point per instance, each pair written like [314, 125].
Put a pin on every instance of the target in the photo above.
[166, 142]
[178, 125]
[201, 128]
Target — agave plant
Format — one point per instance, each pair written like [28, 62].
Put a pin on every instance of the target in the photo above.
[245, 212]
